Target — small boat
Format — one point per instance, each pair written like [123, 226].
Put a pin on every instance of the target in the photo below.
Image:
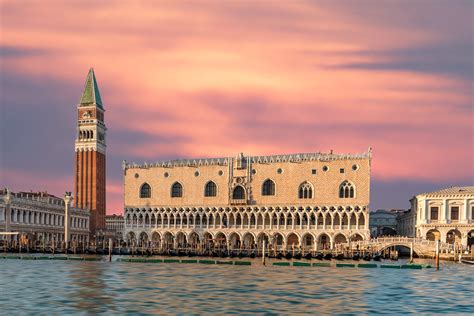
[308, 256]
[297, 256]
[288, 256]
[366, 258]
[377, 257]
[279, 255]
[319, 256]
[328, 256]
[339, 257]
[356, 257]
[467, 261]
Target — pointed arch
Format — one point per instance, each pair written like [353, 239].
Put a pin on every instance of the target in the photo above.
[268, 187]
[145, 191]
[176, 190]
[346, 190]
[305, 190]
[210, 189]
[238, 193]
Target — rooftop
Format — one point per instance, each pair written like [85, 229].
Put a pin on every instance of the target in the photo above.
[465, 190]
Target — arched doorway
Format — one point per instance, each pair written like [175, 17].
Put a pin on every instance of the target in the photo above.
[220, 240]
[181, 240]
[143, 241]
[131, 239]
[249, 241]
[292, 241]
[168, 239]
[234, 239]
[278, 241]
[453, 237]
[340, 239]
[470, 239]
[433, 235]
[260, 238]
[356, 237]
[155, 239]
[193, 239]
[324, 242]
[308, 242]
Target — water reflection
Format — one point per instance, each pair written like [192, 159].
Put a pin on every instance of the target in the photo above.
[57, 287]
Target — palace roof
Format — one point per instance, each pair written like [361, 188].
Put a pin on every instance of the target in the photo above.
[465, 190]
[295, 158]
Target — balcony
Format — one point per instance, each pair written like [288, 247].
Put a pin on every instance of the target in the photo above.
[238, 201]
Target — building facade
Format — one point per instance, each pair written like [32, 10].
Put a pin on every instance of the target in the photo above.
[447, 214]
[312, 201]
[383, 223]
[40, 217]
[90, 148]
[116, 224]
[406, 223]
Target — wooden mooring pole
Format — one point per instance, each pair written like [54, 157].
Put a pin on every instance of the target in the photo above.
[263, 252]
[437, 255]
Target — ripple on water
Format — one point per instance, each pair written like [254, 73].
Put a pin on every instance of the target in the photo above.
[58, 287]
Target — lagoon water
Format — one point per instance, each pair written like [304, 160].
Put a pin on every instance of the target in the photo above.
[75, 287]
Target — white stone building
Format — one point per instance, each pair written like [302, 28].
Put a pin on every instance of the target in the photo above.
[116, 224]
[39, 217]
[447, 214]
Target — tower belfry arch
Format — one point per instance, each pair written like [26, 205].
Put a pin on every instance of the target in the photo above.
[90, 158]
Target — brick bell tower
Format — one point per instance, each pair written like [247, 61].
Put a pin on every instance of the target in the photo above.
[90, 154]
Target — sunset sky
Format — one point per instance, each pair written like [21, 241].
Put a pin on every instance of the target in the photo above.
[215, 78]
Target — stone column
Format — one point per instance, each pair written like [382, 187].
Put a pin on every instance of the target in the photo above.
[8, 213]
[67, 216]
[444, 212]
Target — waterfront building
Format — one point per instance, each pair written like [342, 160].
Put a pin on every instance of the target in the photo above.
[90, 148]
[39, 217]
[383, 223]
[446, 214]
[115, 224]
[406, 223]
[312, 201]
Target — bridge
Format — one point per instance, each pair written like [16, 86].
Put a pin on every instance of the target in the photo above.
[421, 247]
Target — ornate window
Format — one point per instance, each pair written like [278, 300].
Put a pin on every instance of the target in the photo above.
[268, 187]
[305, 191]
[176, 190]
[238, 193]
[145, 190]
[455, 213]
[346, 190]
[210, 189]
[434, 210]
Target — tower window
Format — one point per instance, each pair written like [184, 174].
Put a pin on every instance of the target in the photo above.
[280, 171]
[325, 168]
[313, 171]
[145, 190]
[341, 170]
[176, 190]
[268, 187]
[210, 189]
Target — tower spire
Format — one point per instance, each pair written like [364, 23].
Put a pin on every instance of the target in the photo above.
[91, 95]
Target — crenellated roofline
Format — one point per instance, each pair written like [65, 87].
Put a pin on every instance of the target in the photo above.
[294, 158]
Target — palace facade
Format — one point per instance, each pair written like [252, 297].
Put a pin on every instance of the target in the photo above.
[446, 214]
[115, 224]
[312, 201]
[39, 218]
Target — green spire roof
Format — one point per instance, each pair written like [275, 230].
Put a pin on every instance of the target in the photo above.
[91, 93]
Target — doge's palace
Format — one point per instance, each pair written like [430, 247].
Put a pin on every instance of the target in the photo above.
[311, 201]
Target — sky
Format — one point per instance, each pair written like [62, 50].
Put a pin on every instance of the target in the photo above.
[195, 79]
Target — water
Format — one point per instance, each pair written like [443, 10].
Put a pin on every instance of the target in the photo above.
[76, 287]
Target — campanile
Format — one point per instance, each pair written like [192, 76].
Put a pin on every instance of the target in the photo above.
[90, 154]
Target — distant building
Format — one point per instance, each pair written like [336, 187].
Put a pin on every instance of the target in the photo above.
[311, 200]
[447, 214]
[383, 223]
[406, 223]
[115, 223]
[39, 218]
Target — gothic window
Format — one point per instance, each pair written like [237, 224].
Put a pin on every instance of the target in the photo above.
[455, 213]
[305, 191]
[268, 187]
[434, 210]
[176, 190]
[346, 190]
[145, 190]
[238, 193]
[210, 189]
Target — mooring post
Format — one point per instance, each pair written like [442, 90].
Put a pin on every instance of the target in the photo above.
[437, 255]
[110, 249]
[263, 252]
[411, 252]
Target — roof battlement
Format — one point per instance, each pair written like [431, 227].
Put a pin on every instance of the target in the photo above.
[293, 158]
